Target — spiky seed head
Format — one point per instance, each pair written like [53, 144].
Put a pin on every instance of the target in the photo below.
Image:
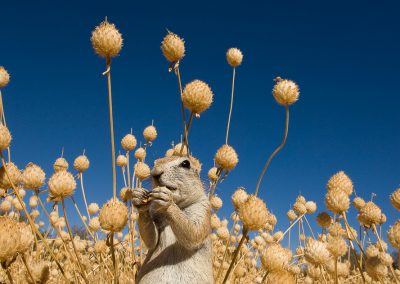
[311, 207]
[33, 201]
[216, 202]
[26, 237]
[5, 137]
[94, 224]
[142, 170]
[234, 57]
[33, 176]
[275, 258]
[226, 157]
[337, 201]
[358, 202]
[212, 174]
[197, 96]
[106, 40]
[394, 235]
[93, 208]
[61, 185]
[9, 238]
[140, 154]
[337, 246]
[223, 233]
[100, 246]
[316, 252]
[173, 47]
[336, 229]
[5, 205]
[301, 199]
[122, 160]
[150, 133]
[285, 92]
[125, 194]
[180, 148]
[169, 153]
[291, 215]
[253, 213]
[4, 77]
[14, 174]
[299, 208]
[395, 199]
[370, 214]
[113, 216]
[129, 142]
[81, 163]
[239, 197]
[215, 222]
[324, 219]
[60, 164]
[340, 181]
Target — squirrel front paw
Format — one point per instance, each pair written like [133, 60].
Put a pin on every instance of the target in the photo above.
[161, 198]
[140, 199]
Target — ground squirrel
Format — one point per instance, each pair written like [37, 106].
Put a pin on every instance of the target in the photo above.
[174, 224]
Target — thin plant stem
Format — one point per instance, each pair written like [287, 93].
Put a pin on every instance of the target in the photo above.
[290, 227]
[336, 272]
[308, 224]
[81, 217]
[127, 169]
[30, 219]
[84, 195]
[27, 268]
[72, 241]
[178, 75]
[276, 150]
[230, 110]
[114, 259]
[114, 173]
[235, 254]
[3, 120]
[265, 277]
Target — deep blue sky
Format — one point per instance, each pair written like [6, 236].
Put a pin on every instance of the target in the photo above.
[343, 54]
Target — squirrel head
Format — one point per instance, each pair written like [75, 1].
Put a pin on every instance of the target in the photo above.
[181, 175]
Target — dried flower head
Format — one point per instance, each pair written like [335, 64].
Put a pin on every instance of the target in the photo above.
[239, 197]
[358, 202]
[125, 194]
[197, 96]
[253, 213]
[337, 201]
[216, 202]
[142, 170]
[9, 238]
[93, 208]
[5, 136]
[324, 219]
[106, 40]
[140, 154]
[299, 208]
[180, 150]
[370, 214]
[60, 164]
[275, 258]
[33, 176]
[291, 215]
[113, 216]
[395, 199]
[173, 47]
[94, 224]
[81, 163]
[150, 133]
[14, 173]
[340, 181]
[311, 207]
[285, 92]
[234, 57]
[4, 77]
[122, 161]
[61, 184]
[394, 234]
[226, 157]
[129, 142]
[212, 174]
[337, 246]
[316, 252]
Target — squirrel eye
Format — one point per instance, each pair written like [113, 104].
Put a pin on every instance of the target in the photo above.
[185, 164]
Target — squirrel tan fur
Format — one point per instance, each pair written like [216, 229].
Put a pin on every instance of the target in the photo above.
[175, 224]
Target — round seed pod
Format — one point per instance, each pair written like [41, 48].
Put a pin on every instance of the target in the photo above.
[223, 233]
[61, 184]
[324, 219]
[253, 213]
[281, 276]
[60, 165]
[212, 174]
[150, 133]
[93, 208]
[234, 57]
[395, 199]
[81, 163]
[358, 202]
[197, 96]
[278, 236]
[100, 246]
[216, 202]
[178, 149]
[301, 199]
[337, 201]
[13, 172]
[40, 271]
[129, 142]
[26, 237]
[316, 252]
[173, 47]
[383, 219]
[125, 194]
[94, 224]
[169, 152]
[33, 176]
[122, 161]
[106, 40]
[4, 77]
[393, 234]
[215, 222]
[275, 258]
[33, 201]
[5, 205]
[226, 157]
[336, 230]
[337, 246]
[17, 205]
[5, 136]
[142, 170]
[311, 207]
[9, 238]
[340, 181]
[370, 214]
[113, 216]
[239, 197]
[299, 208]
[140, 154]
[291, 215]
[285, 92]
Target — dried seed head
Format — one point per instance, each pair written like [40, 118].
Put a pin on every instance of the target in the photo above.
[61, 184]
[395, 199]
[173, 47]
[370, 214]
[81, 163]
[106, 40]
[275, 258]
[26, 237]
[140, 154]
[125, 194]
[299, 208]
[301, 199]
[324, 219]
[234, 57]
[358, 202]
[212, 174]
[282, 276]
[340, 181]
[14, 173]
[336, 230]
[9, 238]
[337, 201]
[394, 234]
[197, 96]
[150, 133]
[316, 252]
[94, 224]
[33, 176]
[223, 233]
[60, 164]
[180, 148]
[113, 216]
[5, 136]
[226, 157]
[5, 205]
[239, 197]
[311, 207]
[337, 246]
[285, 92]
[93, 208]
[215, 222]
[33, 201]
[253, 213]
[122, 160]
[216, 202]
[169, 153]
[291, 215]
[4, 77]
[100, 246]
[142, 170]
[129, 142]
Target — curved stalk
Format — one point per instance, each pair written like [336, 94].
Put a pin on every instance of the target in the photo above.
[276, 150]
[27, 268]
[230, 110]
[114, 259]
[178, 75]
[84, 195]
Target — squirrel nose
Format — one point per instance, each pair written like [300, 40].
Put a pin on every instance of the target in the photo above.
[156, 174]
